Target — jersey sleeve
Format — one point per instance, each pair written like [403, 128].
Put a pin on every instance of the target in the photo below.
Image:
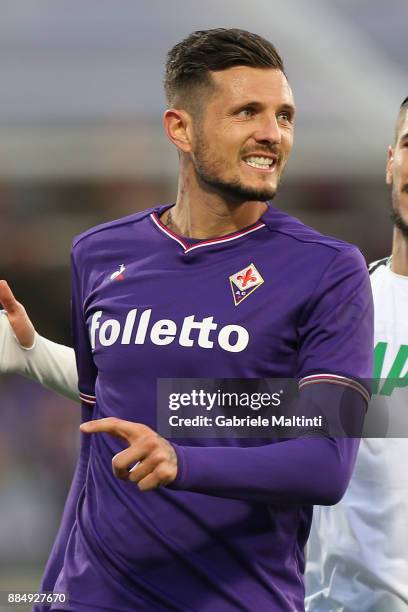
[87, 371]
[335, 332]
[299, 471]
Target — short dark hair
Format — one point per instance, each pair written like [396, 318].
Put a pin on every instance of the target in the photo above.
[190, 61]
[400, 119]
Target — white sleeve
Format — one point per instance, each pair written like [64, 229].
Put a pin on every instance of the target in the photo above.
[52, 365]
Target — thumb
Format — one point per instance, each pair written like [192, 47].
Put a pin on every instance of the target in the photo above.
[19, 320]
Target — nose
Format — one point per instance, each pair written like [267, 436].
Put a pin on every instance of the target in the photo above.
[268, 130]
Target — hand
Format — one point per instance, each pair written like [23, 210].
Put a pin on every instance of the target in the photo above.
[17, 316]
[155, 458]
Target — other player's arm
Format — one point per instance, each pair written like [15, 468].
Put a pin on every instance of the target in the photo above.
[23, 351]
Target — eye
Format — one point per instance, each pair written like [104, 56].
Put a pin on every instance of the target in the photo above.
[246, 113]
[285, 116]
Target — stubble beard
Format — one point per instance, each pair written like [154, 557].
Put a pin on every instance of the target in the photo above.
[209, 173]
[395, 213]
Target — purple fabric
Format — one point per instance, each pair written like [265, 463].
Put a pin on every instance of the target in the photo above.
[56, 558]
[284, 472]
[231, 531]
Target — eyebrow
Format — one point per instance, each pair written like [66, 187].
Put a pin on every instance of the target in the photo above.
[257, 104]
[288, 107]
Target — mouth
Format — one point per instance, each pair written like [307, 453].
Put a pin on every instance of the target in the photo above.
[263, 163]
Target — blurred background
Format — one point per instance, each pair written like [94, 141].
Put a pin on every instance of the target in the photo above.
[81, 143]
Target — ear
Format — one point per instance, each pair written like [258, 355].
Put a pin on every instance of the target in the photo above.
[389, 166]
[177, 125]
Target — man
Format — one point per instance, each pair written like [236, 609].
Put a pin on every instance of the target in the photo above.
[358, 549]
[207, 526]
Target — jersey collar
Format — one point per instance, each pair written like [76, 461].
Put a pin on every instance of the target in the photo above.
[187, 247]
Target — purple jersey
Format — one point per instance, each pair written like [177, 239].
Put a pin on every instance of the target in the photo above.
[276, 299]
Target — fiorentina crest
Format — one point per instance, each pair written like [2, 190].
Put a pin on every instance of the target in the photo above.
[244, 282]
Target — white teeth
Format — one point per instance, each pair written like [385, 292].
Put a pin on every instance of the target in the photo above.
[260, 162]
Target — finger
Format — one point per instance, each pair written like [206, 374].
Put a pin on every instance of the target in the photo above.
[162, 475]
[141, 470]
[7, 298]
[149, 483]
[116, 427]
[124, 460]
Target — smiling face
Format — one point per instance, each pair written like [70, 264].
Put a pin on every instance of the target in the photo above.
[397, 174]
[243, 135]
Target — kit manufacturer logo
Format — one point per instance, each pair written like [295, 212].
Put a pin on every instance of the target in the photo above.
[118, 274]
[244, 282]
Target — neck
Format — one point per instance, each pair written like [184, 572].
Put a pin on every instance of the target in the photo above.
[399, 262]
[203, 214]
